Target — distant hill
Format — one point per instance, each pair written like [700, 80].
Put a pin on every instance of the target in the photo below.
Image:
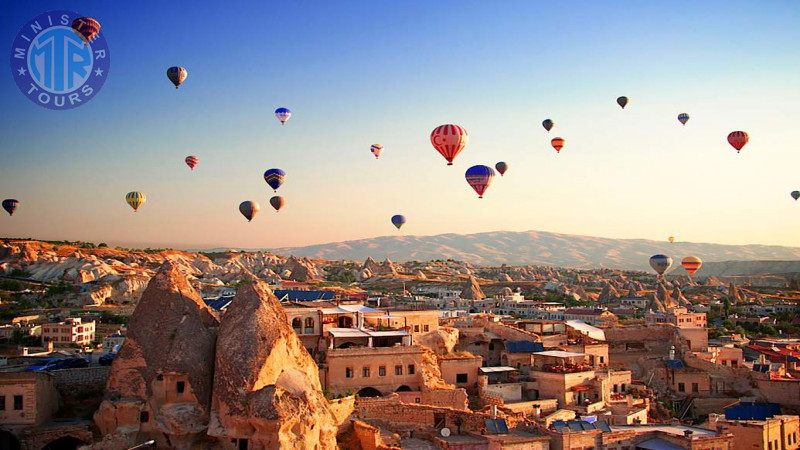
[536, 247]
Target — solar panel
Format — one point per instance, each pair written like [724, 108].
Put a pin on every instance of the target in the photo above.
[502, 427]
[603, 425]
[491, 426]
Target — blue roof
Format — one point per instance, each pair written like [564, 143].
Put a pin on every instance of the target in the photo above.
[524, 347]
[294, 295]
[752, 411]
[675, 364]
[219, 304]
[763, 368]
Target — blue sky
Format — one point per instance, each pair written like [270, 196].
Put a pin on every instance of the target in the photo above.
[355, 73]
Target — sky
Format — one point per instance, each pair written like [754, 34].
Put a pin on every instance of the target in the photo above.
[359, 72]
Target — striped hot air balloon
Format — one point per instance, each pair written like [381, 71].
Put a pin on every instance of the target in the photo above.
[10, 205]
[557, 144]
[87, 28]
[449, 140]
[177, 75]
[660, 263]
[274, 178]
[479, 178]
[691, 264]
[683, 118]
[738, 139]
[192, 161]
[135, 199]
[249, 209]
[376, 150]
[283, 114]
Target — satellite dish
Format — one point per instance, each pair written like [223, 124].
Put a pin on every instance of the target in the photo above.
[445, 432]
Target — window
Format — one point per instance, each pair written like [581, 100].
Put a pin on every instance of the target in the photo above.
[365, 372]
[398, 370]
[426, 328]
[348, 372]
[416, 328]
[160, 377]
[242, 444]
[296, 322]
[411, 369]
[602, 359]
[681, 387]
[491, 346]
[382, 371]
[695, 388]
[180, 387]
[309, 322]
[461, 378]
[2, 402]
[17, 402]
[144, 417]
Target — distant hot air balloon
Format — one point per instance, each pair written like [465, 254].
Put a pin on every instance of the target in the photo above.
[683, 118]
[479, 177]
[249, 209]
[557, 143]
[277, 202]
[283, 114]
[501, 167]
[398, 220]
[660, 263]
[548, 124]
[622, 101]
[135, 199]
[87, 28]
[274, 178]
[177, 75]
[192, 161]
[671, 239]
[795, 194]
[376, 150]
[10, 205]
[692, 264]
[738, 139]
[449, 140]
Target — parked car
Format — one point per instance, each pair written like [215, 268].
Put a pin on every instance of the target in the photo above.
[58, 364]
[106, 359]
[40, 364]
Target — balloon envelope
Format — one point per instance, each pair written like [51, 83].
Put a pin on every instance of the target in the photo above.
[283, 114]
[660, 263]
[501, 167]
[398, 220]
[622, 101]
[683, 118]
[738, 139]
[376, 150]
[135, 199]
[177, 75]
[277, 202]
[691, 264]
[795, 194]
[249, 209]
[671, 239]
[87, 28]
[192, 161]
[449, 140]
[548, 124]
[479, 177]
[557, 143]
[10, 205]
[274, 178]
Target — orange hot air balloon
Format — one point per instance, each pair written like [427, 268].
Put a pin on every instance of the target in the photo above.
[692, 264]
[738, 139]
[449, 140]
[557, 143]
[192, 161]
[671, 239]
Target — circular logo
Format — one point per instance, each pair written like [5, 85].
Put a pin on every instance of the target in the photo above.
[54, 66]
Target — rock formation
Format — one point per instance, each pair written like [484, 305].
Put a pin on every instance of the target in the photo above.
[472, 290]
[300, 269]
[609, 294]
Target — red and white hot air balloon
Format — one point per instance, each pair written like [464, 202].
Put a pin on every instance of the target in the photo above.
[376, 150]
[449, 140]
[738, 139]
[192, 161]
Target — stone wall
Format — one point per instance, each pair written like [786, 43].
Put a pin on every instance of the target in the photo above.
[449, 398]
[80, 382]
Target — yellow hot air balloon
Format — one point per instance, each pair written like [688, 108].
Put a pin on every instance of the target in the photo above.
[136, 199]
[671, 239]
[691, 264]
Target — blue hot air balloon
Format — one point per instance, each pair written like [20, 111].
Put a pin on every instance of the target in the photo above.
[274, 178]
[283, 114]
[660, 263]
[479, 177]
[398, 220]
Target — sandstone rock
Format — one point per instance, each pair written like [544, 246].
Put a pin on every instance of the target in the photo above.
[472, 290]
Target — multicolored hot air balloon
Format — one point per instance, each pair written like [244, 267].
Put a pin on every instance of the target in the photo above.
[87, 28]
[548, 124]
[738, 139]
[557, 144]
[283, 114]
[671, 239]
[249, 209]
[449, 140]
[398, 220]
[501, 167]
[795, 194]
[683, 118]
[660, 263]
[10, 205]
[274, 178]
[177, 75]
[376, 150]
[480, 178]
[692, 264]
[135, 199]
[192, 161]
[277, 202]
[622, 101]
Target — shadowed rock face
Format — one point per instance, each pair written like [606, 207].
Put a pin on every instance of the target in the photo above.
[266, 386]
[472, 290]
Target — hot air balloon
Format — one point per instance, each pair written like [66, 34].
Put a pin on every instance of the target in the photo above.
[683, 118]
[671, 239]
[87, 28]
[738, 139]
[479, 177]
[274, 178]
[277, 202]
[398, 220]
[283, 114]
[501, 167]
[376, 150]
[249, 209]
[660, 263]
[449, 140]
[10, 205]
[691, 264]
[177, 75]
[192, 161]
[622, 101]
[557, 143]
[135, 199]
[795, 194]
[548, 124]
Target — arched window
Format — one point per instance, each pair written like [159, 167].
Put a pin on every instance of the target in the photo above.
[310, 323]
[296, 324]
